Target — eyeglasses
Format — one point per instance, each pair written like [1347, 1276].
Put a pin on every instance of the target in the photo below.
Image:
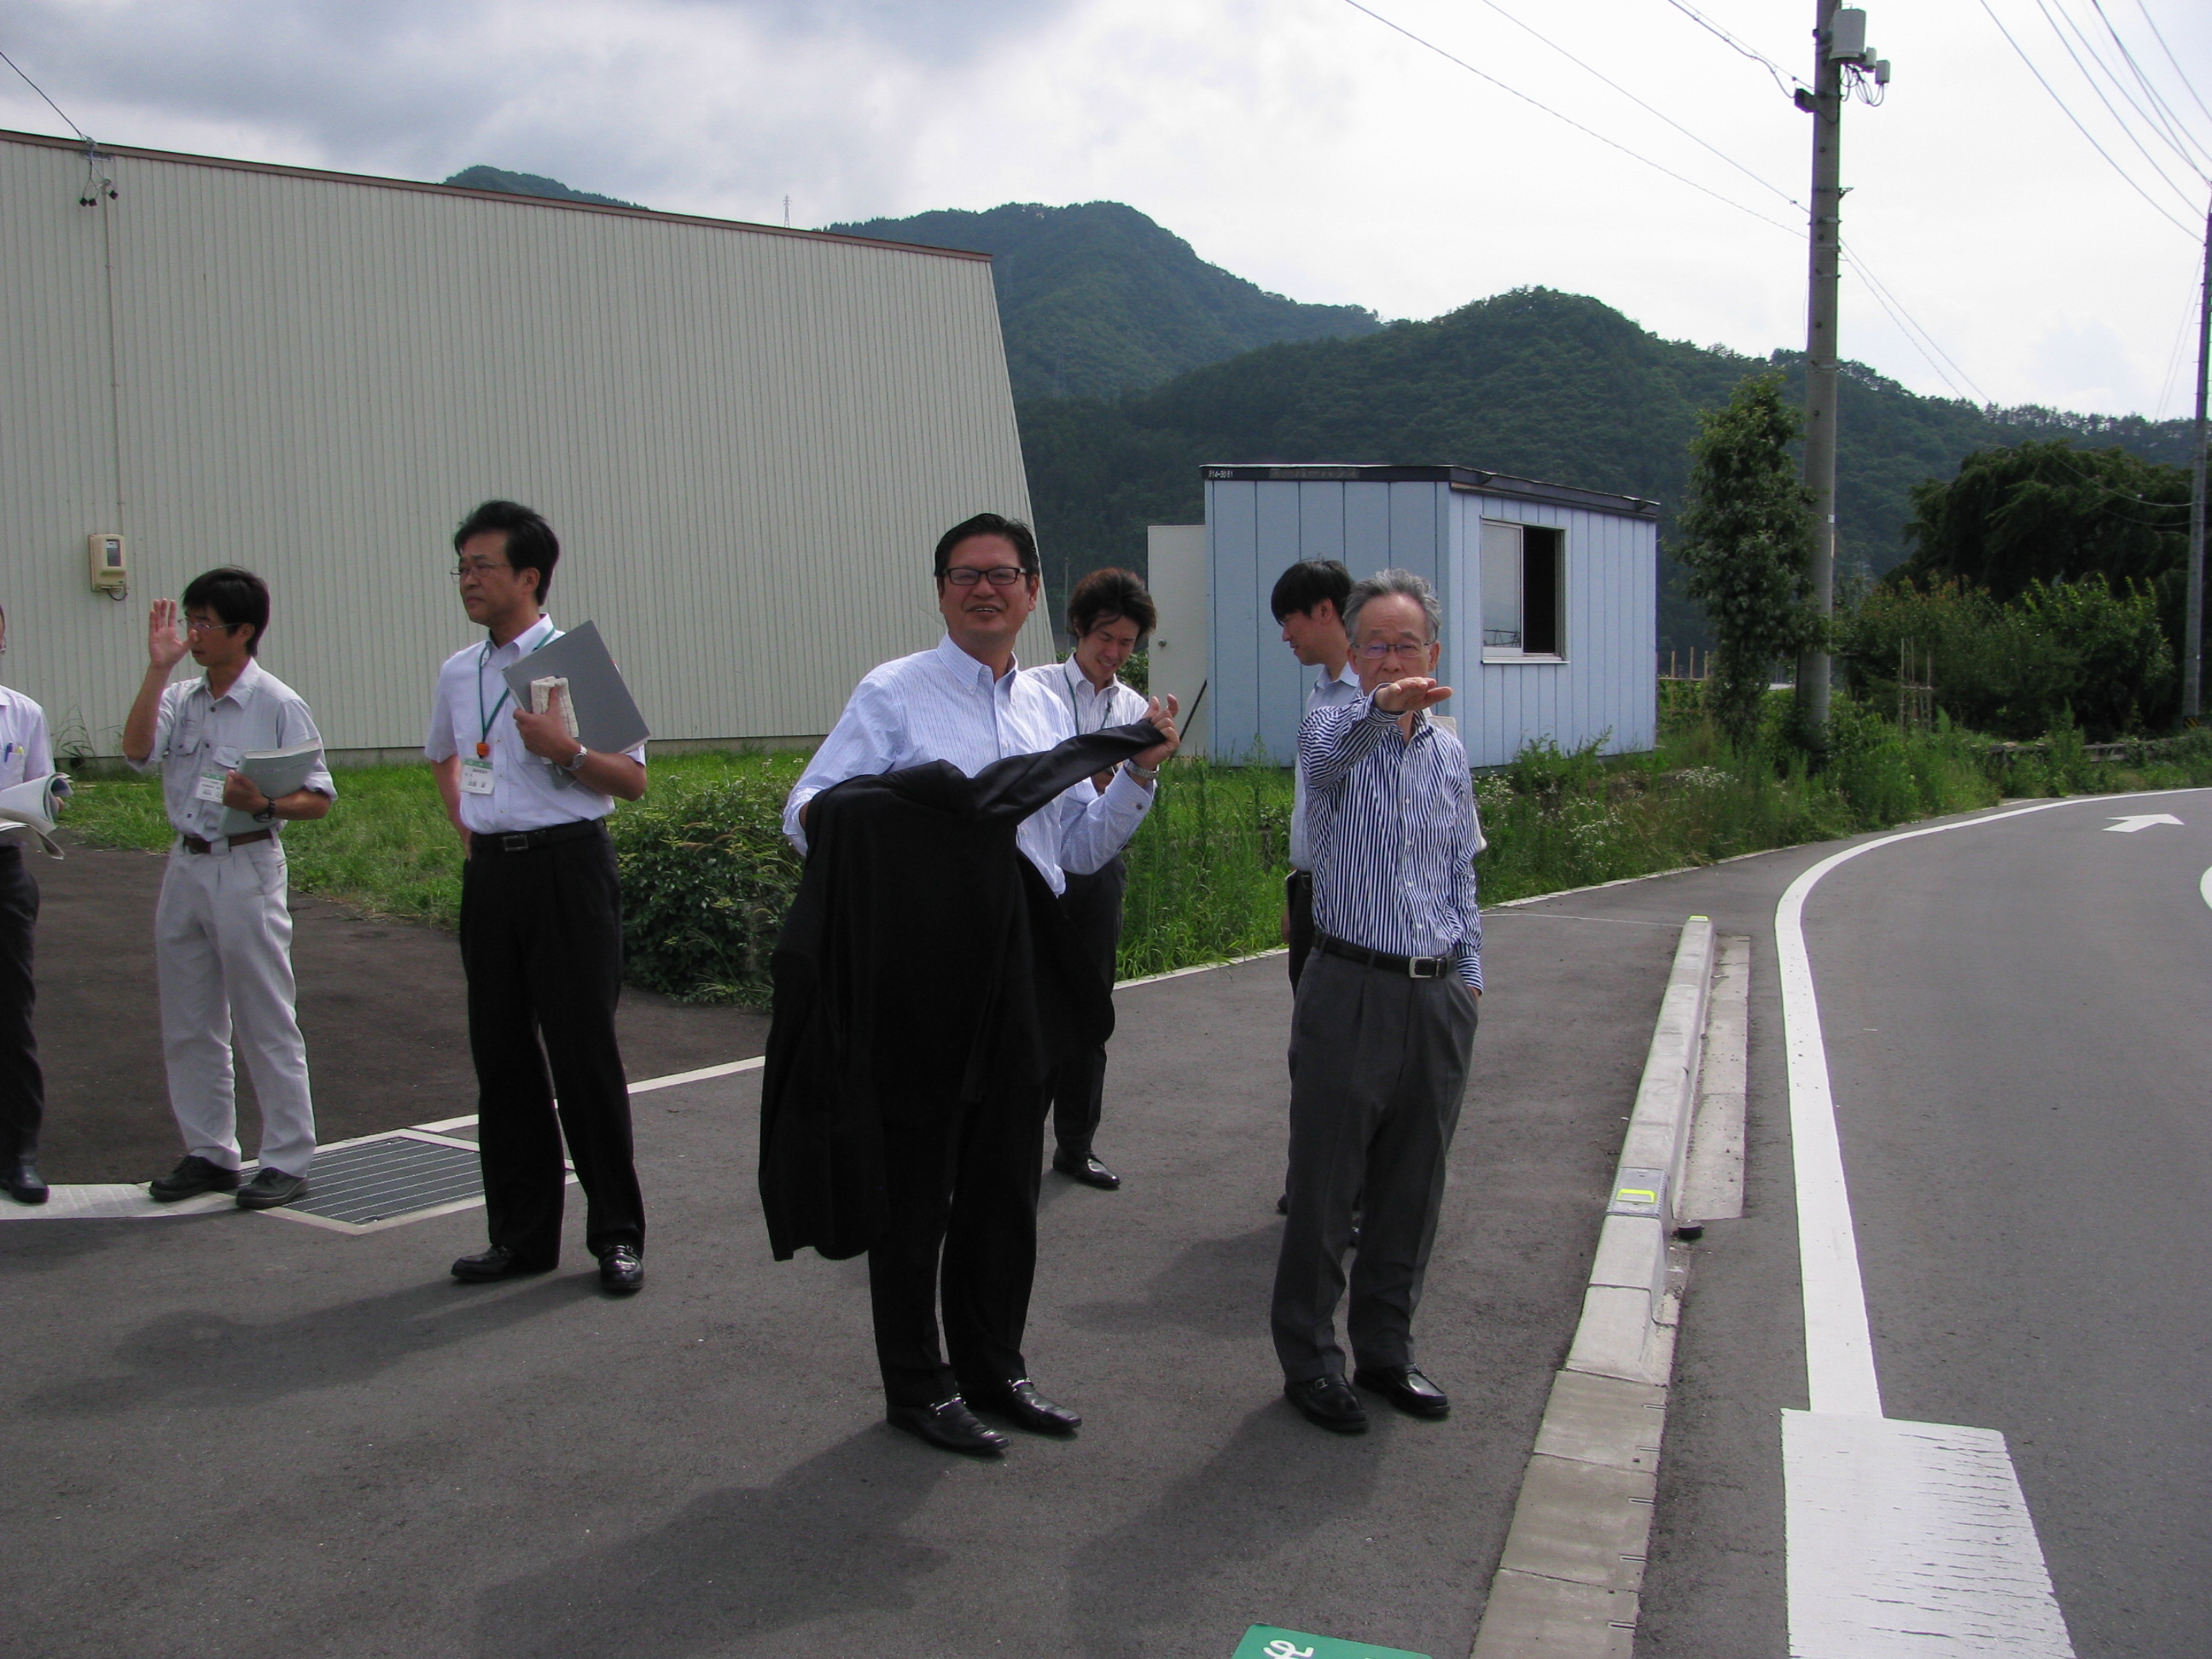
[1377, 651]
[1000, 575]
[209, 625]
[477, 567]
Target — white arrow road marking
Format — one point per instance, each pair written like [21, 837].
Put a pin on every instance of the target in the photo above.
[1906, 1541]
[2204, 887]
[2128, 826]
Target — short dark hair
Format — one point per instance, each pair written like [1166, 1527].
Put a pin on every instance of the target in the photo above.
[530, 542]
[235, 596]
[1111, 595]
[990, 524]
[1307, 583]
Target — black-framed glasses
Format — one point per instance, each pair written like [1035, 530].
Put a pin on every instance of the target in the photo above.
[999, 575]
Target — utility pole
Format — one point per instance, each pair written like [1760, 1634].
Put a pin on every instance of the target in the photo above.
[1839, 44]
[2192, 651]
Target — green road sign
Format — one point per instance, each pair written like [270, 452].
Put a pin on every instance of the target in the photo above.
[1265, 1642]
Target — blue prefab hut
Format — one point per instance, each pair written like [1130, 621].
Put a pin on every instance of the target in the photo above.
[1550, 597]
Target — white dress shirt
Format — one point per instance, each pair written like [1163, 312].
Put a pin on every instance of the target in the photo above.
[1085, 707]
[1329, 692]
[944, 705]
[197, 735]
[472, 705]
[26, 752]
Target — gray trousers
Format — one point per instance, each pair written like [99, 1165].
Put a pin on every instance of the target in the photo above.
[222, 955]
[1378, 1065]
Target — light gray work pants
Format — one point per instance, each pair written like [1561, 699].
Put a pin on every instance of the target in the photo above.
[1378, 1067]
[223, 950]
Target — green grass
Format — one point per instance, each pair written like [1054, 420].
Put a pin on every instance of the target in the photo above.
[706, 874]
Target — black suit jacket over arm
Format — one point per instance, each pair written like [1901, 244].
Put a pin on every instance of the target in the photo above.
[924, 963]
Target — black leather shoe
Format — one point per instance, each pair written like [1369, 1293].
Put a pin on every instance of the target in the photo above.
[621, 1269]
[1088, 1170]
[950, 1426]
[497, 1262]
[22, 1180]
[193, 1175]
[1283, 1205]
[270, 1190]
[1019, 1401]
[1405, 1389]
[1330, 1401]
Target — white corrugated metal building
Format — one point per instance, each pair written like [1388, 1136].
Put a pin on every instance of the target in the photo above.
[1550, 596]
[748, 438]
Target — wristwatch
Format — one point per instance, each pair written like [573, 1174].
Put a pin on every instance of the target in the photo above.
[1142, 774]
[267, 812]
[575, 762]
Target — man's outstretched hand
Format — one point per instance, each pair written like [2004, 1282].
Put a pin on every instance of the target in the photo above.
[1404, 696]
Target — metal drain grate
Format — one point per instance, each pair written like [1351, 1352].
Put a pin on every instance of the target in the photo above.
[389, 1178]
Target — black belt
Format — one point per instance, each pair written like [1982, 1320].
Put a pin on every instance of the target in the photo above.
[529, 841]
[194, 844]
[1412, 967]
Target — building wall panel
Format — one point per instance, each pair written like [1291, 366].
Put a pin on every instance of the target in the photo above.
[748, 441]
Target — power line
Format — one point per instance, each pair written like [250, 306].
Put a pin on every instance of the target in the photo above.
[1762, 183]
[1911, 327]
[2175, 130]
[2180, 73]
[1788, 230]
[1758, 58]
[2127, 177]
[41, 91]
[2118, 119]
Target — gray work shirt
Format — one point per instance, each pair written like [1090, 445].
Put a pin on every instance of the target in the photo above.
[195, 734]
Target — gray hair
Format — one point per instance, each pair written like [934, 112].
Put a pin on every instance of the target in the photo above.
[1393, 581]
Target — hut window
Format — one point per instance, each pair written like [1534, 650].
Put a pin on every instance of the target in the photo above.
[1522, 576]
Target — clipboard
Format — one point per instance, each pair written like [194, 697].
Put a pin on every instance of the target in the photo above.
[607, 717]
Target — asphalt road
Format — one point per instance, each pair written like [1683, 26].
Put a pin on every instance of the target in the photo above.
[236, 1435]
[2014, 1020]
[381, 1004]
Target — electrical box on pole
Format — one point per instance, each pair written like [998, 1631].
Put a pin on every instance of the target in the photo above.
[1843, 63]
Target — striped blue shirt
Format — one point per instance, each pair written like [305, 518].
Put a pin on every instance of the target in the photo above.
[1391, 828]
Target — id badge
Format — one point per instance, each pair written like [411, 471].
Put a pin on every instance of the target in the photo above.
[476, 777]
[210, 787]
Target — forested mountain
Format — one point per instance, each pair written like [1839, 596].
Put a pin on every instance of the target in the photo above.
[1544, 384]
[1096, 298]
[528, 184]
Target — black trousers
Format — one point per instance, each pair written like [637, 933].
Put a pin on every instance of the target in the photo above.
[541, 942]
[1092, 905]
[961, 1183]
[22, 1083]
[1297, 897]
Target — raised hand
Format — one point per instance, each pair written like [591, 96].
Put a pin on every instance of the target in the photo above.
[1404, 696]
[167, 642]
[1163, 718]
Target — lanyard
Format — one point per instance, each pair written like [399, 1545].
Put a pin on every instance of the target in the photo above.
[484, 736]
[1105, 699]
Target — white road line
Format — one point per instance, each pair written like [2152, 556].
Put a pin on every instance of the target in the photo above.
[1904, 1539]
[2204, 887]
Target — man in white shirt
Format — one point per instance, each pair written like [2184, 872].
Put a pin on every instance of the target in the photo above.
[962, 1177]
[1109, 617]
[223, 928]
[541, 923]
[25, 754]
[1308, 605]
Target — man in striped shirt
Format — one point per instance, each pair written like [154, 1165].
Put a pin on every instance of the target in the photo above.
[1386, 1012]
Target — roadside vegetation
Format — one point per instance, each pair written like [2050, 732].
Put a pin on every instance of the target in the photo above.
[706, 874]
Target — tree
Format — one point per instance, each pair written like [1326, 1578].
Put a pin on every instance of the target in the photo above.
[2051, 513]
[1746, 539]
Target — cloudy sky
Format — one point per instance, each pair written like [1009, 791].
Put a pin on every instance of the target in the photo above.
[1302, 143]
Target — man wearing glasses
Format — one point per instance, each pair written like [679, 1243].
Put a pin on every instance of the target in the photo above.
[1385, 1013]
[541, 923]
[223, 928]
[962, 1176]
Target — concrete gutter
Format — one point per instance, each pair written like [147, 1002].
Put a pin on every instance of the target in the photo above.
[1568, 1582]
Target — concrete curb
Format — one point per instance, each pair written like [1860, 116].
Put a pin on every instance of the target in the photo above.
[1568, 1582]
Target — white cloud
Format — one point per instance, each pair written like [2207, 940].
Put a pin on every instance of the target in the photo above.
[1297, 142]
